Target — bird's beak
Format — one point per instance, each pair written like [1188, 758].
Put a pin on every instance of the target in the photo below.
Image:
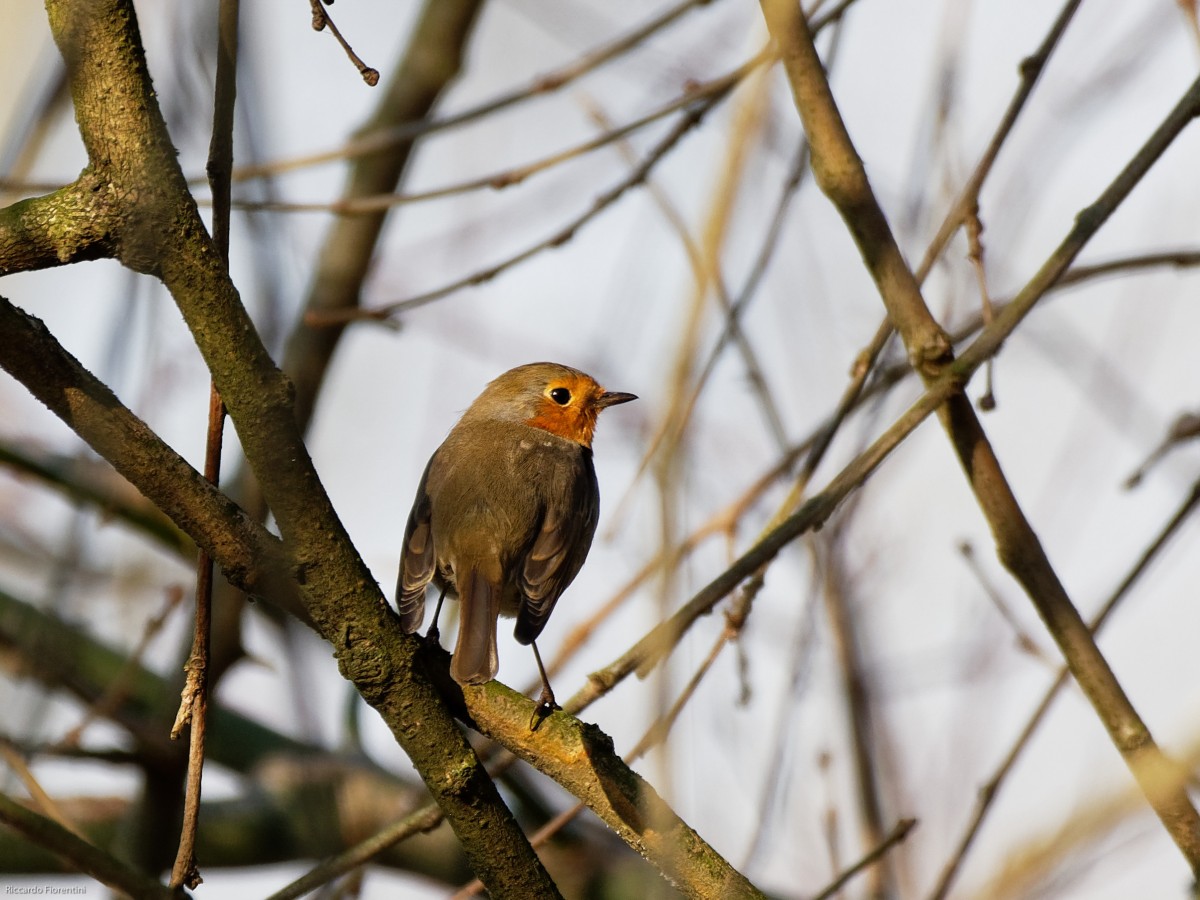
[612, 398]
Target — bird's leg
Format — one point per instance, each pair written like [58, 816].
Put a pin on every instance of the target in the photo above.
[546, 703]
[432, 636]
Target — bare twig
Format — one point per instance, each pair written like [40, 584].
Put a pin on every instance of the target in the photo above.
[376, 203]
[378, 139]
[321, 20]
[117, 688]
[968, 198]
[193, 707]
[894, 837]
[987, 401]
[689, 120]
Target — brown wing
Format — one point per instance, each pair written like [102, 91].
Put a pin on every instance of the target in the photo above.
[416, 561]
[568, 523]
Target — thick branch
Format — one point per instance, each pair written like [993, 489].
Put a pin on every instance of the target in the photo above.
[73, 224]
[122, 128]
[581, 758]
[245, 550]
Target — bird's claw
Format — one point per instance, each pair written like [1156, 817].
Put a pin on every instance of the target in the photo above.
[546, 706]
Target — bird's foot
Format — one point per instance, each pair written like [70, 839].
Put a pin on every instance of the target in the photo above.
[546, 705]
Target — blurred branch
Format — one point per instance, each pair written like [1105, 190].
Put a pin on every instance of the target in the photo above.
[860, 700]
[897, 835]
[61, 656]
[87, 481]
[376, 203]
[1050, 855]
[840, 174]
[1185, 428]
[1189, 9]
[300, 808]
[46, 804]
[422, 820]
[689, 120]
[249, 555]
[81, 854]
[383, 137]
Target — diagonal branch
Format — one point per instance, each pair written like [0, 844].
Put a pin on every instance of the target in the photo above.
[841, 175]
[250, 556]
[82, 855]
[581, 758]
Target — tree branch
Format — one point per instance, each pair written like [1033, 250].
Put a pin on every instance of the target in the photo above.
[81, 854]
[127, 143]
[841, 175]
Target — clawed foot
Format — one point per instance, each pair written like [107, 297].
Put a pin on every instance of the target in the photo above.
[546, 705]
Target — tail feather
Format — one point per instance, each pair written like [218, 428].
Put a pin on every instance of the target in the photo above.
[475, 660]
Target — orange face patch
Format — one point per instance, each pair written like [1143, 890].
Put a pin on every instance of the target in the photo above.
[571, 415]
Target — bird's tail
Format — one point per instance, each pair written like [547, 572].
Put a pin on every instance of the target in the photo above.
[475, 659]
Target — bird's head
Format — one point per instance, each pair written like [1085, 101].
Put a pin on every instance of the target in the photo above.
[550, 396]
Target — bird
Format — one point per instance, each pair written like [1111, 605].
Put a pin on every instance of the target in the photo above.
[505, 513]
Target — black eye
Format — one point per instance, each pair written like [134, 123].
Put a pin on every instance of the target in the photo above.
[561, 396]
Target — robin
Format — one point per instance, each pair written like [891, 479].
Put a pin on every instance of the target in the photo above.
[505, 513]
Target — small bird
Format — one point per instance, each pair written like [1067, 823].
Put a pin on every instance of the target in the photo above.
[505, 513]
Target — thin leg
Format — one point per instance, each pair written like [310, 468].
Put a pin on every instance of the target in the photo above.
[432, 636]
[546, 703]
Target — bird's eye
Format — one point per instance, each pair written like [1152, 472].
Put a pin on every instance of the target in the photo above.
[561, 396]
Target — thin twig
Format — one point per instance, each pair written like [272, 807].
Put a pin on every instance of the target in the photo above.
[376, 203]
[689, 120]
[393, 136]
[321, 19]
[13, 757]
[968, 198]
[991, 789]
[897, 834]
[116, 691]
[193, 708]
[974, 225]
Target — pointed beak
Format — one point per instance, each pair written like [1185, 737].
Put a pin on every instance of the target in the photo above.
[612, 398]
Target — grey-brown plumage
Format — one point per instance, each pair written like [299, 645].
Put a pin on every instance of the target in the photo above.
[506, 510]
